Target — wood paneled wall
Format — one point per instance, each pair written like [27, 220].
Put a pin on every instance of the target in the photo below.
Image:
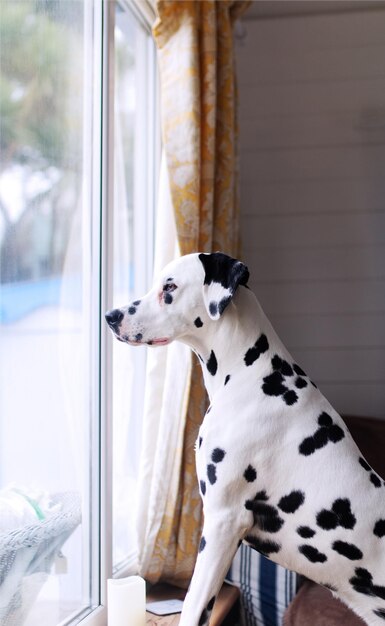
[312, 154]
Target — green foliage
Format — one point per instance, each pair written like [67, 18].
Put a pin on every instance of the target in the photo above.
[41, 131]
[38, 76]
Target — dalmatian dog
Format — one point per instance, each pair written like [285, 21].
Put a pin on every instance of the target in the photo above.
[276, 465]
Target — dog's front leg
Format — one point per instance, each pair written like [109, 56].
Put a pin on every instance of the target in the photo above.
[220, 538]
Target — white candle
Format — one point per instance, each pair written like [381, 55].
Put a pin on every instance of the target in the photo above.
[126, 601]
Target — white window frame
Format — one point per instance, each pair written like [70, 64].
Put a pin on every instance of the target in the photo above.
[146, 175]
[102, 237]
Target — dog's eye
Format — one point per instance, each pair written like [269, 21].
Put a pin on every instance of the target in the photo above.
[169, 287]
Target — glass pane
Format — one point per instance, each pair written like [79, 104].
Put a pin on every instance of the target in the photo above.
[132, 252]
[45, 417]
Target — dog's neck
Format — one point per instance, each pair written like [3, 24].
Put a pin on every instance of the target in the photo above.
[221, 345]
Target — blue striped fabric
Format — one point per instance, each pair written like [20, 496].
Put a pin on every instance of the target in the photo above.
[268, 600]
[266, 588]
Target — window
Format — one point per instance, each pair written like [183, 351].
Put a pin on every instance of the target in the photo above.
[134, 175]
[66, 255]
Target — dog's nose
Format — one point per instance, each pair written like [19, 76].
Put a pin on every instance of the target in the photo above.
[114, 317]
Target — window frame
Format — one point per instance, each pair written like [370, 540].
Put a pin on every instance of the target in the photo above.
[102, 238]
[146, 175]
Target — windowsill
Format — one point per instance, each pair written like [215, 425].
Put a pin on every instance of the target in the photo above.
[227, 598]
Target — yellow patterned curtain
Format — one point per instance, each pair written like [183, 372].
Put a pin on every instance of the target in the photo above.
[199, 126]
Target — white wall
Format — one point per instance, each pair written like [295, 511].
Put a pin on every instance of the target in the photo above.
[312, 144]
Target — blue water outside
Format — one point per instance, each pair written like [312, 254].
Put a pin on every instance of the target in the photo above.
[18, 299]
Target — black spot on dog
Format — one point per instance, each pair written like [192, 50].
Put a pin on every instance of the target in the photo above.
[212, 473]
[379, 528]
[305, 532]
[203, 620]
[227, 379]
[312, 554]
[300, 383]
[362, 582]
[262, 509]
[198, 322]
[131, 310]
[276, 383]
[290, 397]
[335, 433]
[339, 515]
[286, 369]
[349, 550]
[250, 504]
[260, 346]
[273, 384]
[298, 370]
[270, 524]
[276, 362]
[325, 420]
[250, 474]
[327, 520]
[136, 303]
[364, 574]
[364, 464]
[212, 364]
[167, 297]
[200, 442]
[321, 437]
[138, 337]
[379, 613]
[266, 517]
[291, 502]
[217, 455]
[255, 503]
[327, 431]
[315, 442]
[281, 365]
[261, 495]
[203, 487]
[264, 546]
[375, 480]
[213, 308]
[202, 544]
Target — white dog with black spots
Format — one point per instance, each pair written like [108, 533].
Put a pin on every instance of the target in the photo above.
[276, 464]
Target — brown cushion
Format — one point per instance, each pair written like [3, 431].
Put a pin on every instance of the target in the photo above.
[316, 605]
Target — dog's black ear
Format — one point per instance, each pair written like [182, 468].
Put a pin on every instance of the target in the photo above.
[223, 274]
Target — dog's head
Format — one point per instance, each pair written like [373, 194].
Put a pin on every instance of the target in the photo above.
[190, 291]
